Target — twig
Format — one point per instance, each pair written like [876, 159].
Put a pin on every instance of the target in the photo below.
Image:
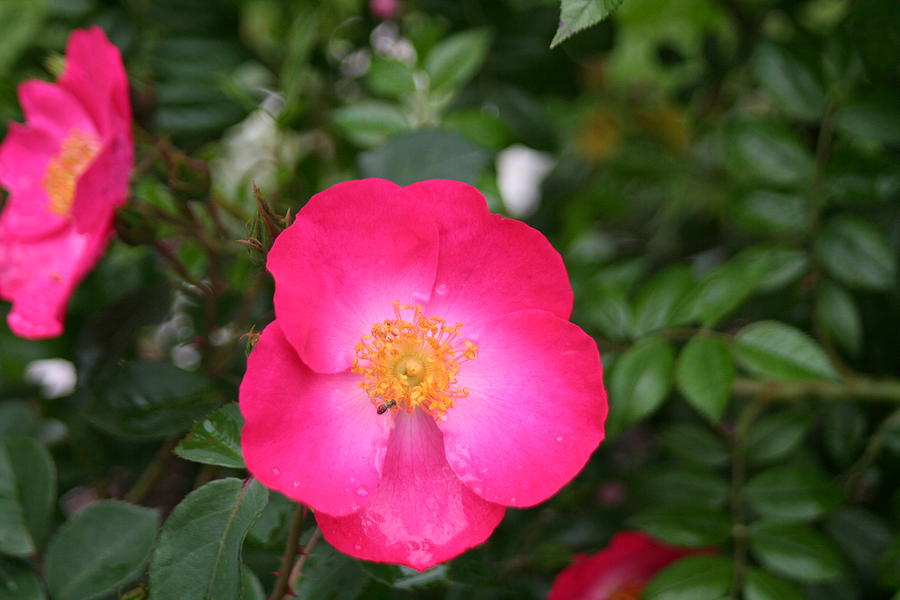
[855, 473]
[885, 390]
[307, 551]
[152, 472]
[290, 554]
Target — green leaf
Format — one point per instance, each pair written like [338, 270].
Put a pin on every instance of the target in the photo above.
[836, 311]
[422, 155]
[704, 372]
[370, 122]
[687, 526]
[889, 574]
[844, 431]
[721, 291]
[657, 299]
[19, 582]
[198, 556]
[609, 313]
[101, 548]
[483, 128]
[27, 494]
[776, 264]
[640, 381]
[20, 23]
[215, 440]
[691, 578]
[770, 349]
[456, 59]
[149, 400]
[795, 551]
[251, 588]
[857, 253]
[681, 486]
[330, 575]
[695, 444]
[871, 121]
[759, 585]
[767, 153]
[863, 536]
[775, 437]
[576, 15]
[791, 84]
[772, 213]
[391, 78]
[792, 492]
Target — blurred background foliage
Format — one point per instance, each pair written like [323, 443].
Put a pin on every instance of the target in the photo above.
[720, 176]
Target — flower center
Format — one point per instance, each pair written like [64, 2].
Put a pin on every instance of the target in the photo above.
[411, 361]
[63, 170]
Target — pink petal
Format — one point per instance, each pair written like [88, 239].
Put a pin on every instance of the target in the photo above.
[352, 251]
[420, 514]
[103, 187]
[535, 409]
[315, 438]
[54, 109]
[95, 75]
[38, 277]
[488, 266]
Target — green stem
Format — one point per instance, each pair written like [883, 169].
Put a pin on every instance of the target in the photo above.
[152, 472]
[290, 554]
[855, 473]
[307, 550]
[884, 390]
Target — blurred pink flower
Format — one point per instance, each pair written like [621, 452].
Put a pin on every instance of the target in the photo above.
[67, 170]
[620, 571]
[421, 374]
[384, 9]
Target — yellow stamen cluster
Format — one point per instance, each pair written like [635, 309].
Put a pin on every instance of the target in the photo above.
[63, 171]
[412, 361]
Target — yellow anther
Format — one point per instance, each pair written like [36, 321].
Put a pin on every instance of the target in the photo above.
[61, 178]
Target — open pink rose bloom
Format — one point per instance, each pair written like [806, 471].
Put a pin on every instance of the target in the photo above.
[620, 571]
[67, 170]
[421, 374]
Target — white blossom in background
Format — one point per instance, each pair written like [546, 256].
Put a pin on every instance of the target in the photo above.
[55, 376]
[253, 150]
[520, 171]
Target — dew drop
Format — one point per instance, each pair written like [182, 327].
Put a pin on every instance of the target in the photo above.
[484, 470]
[357, 547]
[295, 483]
[513, 499]
[559, 438]
[442, 289]
[353, 480]
[276, 471]
[361, 491]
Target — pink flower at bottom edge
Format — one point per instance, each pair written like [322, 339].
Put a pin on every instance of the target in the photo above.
[67, 170]
[620, 571]
[421, 374]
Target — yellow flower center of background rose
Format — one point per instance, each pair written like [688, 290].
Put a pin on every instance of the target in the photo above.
[63, 170]
[411, 361]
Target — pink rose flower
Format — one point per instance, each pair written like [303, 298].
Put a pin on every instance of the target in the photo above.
[67, 170]
[384, 9]
[620, 571]
[421, 374]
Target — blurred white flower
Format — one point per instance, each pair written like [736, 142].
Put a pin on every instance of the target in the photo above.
[520, 171]
[55, 376]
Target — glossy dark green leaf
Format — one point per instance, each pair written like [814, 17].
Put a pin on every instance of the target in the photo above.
[792, 492]
[695, 444]
[27, 494]
[691, 578]
[216, 439]
[767, 153]
[777, 265]
[423, 155]
[844, 432]
[331, 575]
[19, 582]
[774, 437]
[836, 311]
[772, 213]
[795, 551]
[20, 22]
[609, 313]
[718, 293]
[198, 556]
[391, 78]
[101, 548]
[790, 83]
[149, 400]
[759, 585]
[863, 535]
[704, 373]
[871, 121]
[857, 253]
[774, 350]
[681, 486]
[370, 122]
[457, 59]
[889, 574]
[688, 526]
[640, 381]
[657, 299]
[19, 418]
[251, 588]
[576, 15]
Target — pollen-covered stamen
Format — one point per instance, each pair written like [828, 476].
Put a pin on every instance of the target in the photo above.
[411, 361]
[63, 170]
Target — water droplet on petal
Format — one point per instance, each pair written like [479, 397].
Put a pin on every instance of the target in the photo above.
[295, 483]
[276, 471]
[512, 500]
[441, 289]
[484, 470]
[357, 547]
[353, 480]
[559, 438]
[362, 491]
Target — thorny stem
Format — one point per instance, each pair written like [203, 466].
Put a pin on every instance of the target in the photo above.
[282, 584]
[885, 390]
[876, 441]
[152, 472]
[307, 550]
[738, 476]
